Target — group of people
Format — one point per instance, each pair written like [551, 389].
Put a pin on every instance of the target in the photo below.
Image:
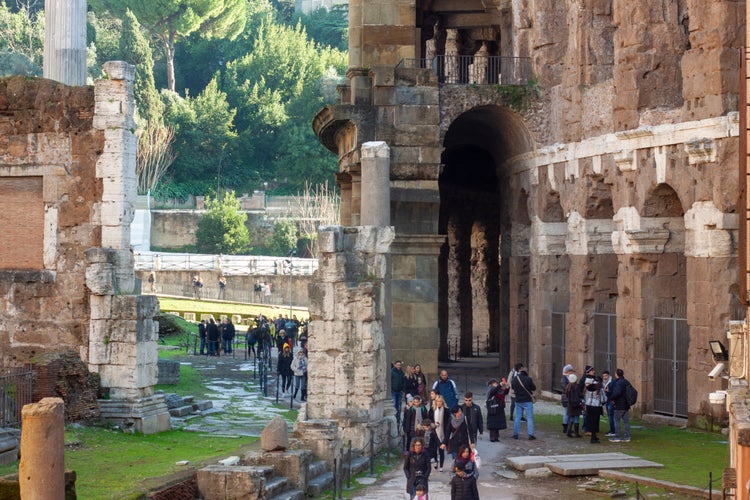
[587, 399]
[434, 427]
[216, 338]
[284, 333]
[439, 425]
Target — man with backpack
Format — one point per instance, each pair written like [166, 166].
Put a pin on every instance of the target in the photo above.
[623, 395]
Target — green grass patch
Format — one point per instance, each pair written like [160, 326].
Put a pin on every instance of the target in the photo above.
[110, 464]
[688, 455]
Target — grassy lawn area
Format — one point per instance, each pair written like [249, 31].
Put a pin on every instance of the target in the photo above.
[688, 455]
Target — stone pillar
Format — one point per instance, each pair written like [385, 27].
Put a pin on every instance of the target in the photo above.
[348, 340]
[122, 331]
[41, 473]
[376, 170]
[65, 41]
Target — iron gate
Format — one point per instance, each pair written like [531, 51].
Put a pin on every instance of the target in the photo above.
[16, 386]
[605, 342]
[671, 342]
[558, 349]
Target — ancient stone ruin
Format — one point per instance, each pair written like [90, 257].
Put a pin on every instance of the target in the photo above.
[67, 194]
[563, 188]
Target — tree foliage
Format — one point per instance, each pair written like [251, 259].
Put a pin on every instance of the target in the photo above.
[21, 39]
[135, 49]
[328, 27]
[222, 228]
[170, 19]
[284, 238]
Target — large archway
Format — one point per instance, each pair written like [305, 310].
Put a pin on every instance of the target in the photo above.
[476, 217]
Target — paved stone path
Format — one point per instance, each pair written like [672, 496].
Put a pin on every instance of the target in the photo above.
[240, 410]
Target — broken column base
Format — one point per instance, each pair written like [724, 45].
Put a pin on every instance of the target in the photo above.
[327, 437]
[217, 482]
[145, 415]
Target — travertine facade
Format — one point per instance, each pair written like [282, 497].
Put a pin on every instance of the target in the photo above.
[563, 181]
[67, 166]
[348, 399]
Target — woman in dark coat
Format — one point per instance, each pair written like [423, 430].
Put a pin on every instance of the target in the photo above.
[574, 407]
[416, 466]
[496, 408]
[464, 483]
[456, 431]
[284, 369]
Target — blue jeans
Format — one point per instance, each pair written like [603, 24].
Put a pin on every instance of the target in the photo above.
[529, 409]
[227, 346]
[203, 346]
[620, 417]
[397, 403]
[611, 416]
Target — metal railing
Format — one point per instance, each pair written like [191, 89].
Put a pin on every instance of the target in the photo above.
[490, 70]
[16, 385]
[227, 264]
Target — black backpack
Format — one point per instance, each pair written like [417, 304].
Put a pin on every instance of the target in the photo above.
[631, 394]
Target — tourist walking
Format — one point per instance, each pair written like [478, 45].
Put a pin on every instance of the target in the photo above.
[421, 381]
[593, 397]
[564, 381]
[299, 368]
[212, 333]
[202, 336]
[609, 404]
[473, 415]
[464, 483]
[284, 369]
[432, 442]
[456, 432]
[496, 408]
[398, 382]
[222, 287]
[446, 387]
[414, 414]
[524, 388]
[227, 335]
[512, 394]
[251, 338]
[617, 393]
[574, 407]
[416, 467]
[439, 415]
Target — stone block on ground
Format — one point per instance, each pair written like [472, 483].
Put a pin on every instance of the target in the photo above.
[275, 437]
[219, 482]
[202, 405]
[181, 411]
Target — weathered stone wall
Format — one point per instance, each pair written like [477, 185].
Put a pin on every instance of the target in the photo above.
[616, 175]
[73, 150]
[49, 144]
[347, 336]
[176, 228]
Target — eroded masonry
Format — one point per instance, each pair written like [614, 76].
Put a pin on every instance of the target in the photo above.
[563, 182]
[67, 198]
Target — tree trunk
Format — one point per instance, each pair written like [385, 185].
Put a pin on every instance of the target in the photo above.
[168, 41]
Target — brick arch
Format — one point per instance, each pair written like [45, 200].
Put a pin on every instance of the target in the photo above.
[476, 209]
[662, 201]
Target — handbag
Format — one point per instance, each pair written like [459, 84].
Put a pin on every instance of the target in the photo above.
[474, 452]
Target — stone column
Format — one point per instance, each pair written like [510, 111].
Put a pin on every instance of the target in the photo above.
[41, 473]
[348, 341]
[376, 198]
[65, 41]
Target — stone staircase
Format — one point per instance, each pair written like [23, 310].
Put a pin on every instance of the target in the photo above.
[285, 475]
